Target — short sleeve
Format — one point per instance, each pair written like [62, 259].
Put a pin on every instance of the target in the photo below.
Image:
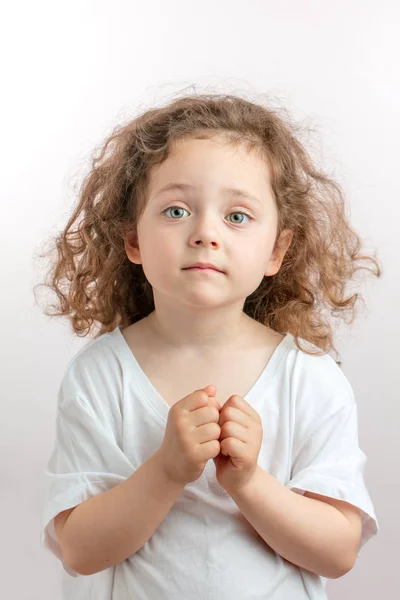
[86, 460]
[329, 460]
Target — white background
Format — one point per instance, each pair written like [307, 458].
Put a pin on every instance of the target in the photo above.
[70, 72]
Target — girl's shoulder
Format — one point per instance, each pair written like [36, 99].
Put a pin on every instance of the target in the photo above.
[97, 352]
[96, 367]
[308, 377]
[318, 386]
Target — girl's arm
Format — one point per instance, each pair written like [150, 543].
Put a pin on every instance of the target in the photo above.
[307, 532]
[111, 526]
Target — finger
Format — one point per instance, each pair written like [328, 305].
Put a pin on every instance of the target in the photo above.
[234, 430]
[230, 413]
[210, 389]
[242, 404]
[212, 401]
[232, 447]
[199, 398]
[206, 433]
[206, 414]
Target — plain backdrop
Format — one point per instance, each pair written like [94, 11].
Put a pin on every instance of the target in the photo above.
[72, 71]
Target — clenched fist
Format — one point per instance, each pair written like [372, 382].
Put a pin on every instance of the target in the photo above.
[192, 436]
[240, 439]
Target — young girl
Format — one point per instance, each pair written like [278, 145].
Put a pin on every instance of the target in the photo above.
[206, 442]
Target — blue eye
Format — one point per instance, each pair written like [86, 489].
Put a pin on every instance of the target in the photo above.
[177, 208]
[174, 208]
[243, 214]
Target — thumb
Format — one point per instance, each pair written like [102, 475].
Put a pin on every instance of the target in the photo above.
[213, 402]
[210, 389]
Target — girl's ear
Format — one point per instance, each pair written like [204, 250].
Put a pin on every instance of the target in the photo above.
[279, 252]
[132, 248]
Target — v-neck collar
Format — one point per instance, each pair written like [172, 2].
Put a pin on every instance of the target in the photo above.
[254, 396]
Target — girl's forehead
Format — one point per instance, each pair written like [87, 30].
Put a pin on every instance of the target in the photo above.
[201, 161]
[219, 141]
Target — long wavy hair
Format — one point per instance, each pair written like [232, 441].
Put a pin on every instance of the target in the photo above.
[98, 288]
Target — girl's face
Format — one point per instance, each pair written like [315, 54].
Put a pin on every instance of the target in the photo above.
[223, 212]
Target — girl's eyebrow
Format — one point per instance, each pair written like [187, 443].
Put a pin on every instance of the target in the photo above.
[231, 191]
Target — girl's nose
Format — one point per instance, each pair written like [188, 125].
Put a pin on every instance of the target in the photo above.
[204, 239]
[211, 243]
[205, 233]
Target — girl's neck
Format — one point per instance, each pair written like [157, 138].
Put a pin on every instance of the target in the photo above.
[221, 328]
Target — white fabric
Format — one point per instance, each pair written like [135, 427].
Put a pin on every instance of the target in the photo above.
[110, 420]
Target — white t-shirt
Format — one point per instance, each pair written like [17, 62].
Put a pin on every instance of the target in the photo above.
[110, 419]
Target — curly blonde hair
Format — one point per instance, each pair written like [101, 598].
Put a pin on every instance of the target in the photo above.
[99, 288]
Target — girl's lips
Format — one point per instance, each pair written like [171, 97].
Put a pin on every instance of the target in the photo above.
[202, 269]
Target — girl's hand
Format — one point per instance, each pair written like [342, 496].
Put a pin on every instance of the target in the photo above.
[191, 436]
[240, 440]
